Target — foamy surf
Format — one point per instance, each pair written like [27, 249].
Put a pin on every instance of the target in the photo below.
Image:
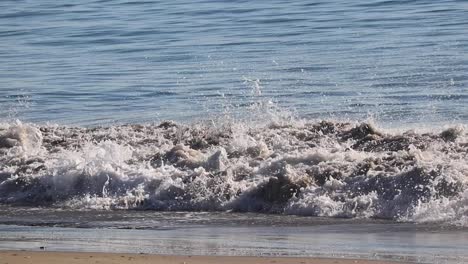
[322, 168]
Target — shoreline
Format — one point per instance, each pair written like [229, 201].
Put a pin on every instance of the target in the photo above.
[54, 257]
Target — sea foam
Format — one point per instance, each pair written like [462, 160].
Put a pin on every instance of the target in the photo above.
[316, 168]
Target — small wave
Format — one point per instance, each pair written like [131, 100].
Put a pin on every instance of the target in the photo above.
[322, 168]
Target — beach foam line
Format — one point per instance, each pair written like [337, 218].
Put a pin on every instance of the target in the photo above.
[312, 168]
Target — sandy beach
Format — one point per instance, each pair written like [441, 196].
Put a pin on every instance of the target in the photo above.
[20, 257]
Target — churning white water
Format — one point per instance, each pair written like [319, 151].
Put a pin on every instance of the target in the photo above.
[284, 166]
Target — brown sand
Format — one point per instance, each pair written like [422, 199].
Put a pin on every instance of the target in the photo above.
[29, 257]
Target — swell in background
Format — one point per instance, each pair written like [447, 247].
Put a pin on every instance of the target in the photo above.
[100, 62]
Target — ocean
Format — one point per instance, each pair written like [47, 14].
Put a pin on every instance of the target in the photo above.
[100, 62]
[208, 120]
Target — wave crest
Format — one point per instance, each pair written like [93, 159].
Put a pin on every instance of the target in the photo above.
[332, 169]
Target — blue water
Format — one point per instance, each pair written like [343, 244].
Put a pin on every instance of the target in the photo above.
[98, 62]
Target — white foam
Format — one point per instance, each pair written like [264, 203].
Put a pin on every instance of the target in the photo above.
[326, 169]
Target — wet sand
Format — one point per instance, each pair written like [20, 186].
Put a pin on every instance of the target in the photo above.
[27, 257]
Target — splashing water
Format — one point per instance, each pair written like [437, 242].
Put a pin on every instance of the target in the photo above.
[321, 168]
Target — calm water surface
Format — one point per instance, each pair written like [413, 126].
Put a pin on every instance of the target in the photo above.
[99, 62]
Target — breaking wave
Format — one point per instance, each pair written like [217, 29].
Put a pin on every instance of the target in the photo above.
[316, 168]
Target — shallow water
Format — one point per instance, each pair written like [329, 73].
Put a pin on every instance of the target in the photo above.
[97, 62]
[229, 234]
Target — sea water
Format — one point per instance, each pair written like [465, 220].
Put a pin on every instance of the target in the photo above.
[284, 114]
[96, 62]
